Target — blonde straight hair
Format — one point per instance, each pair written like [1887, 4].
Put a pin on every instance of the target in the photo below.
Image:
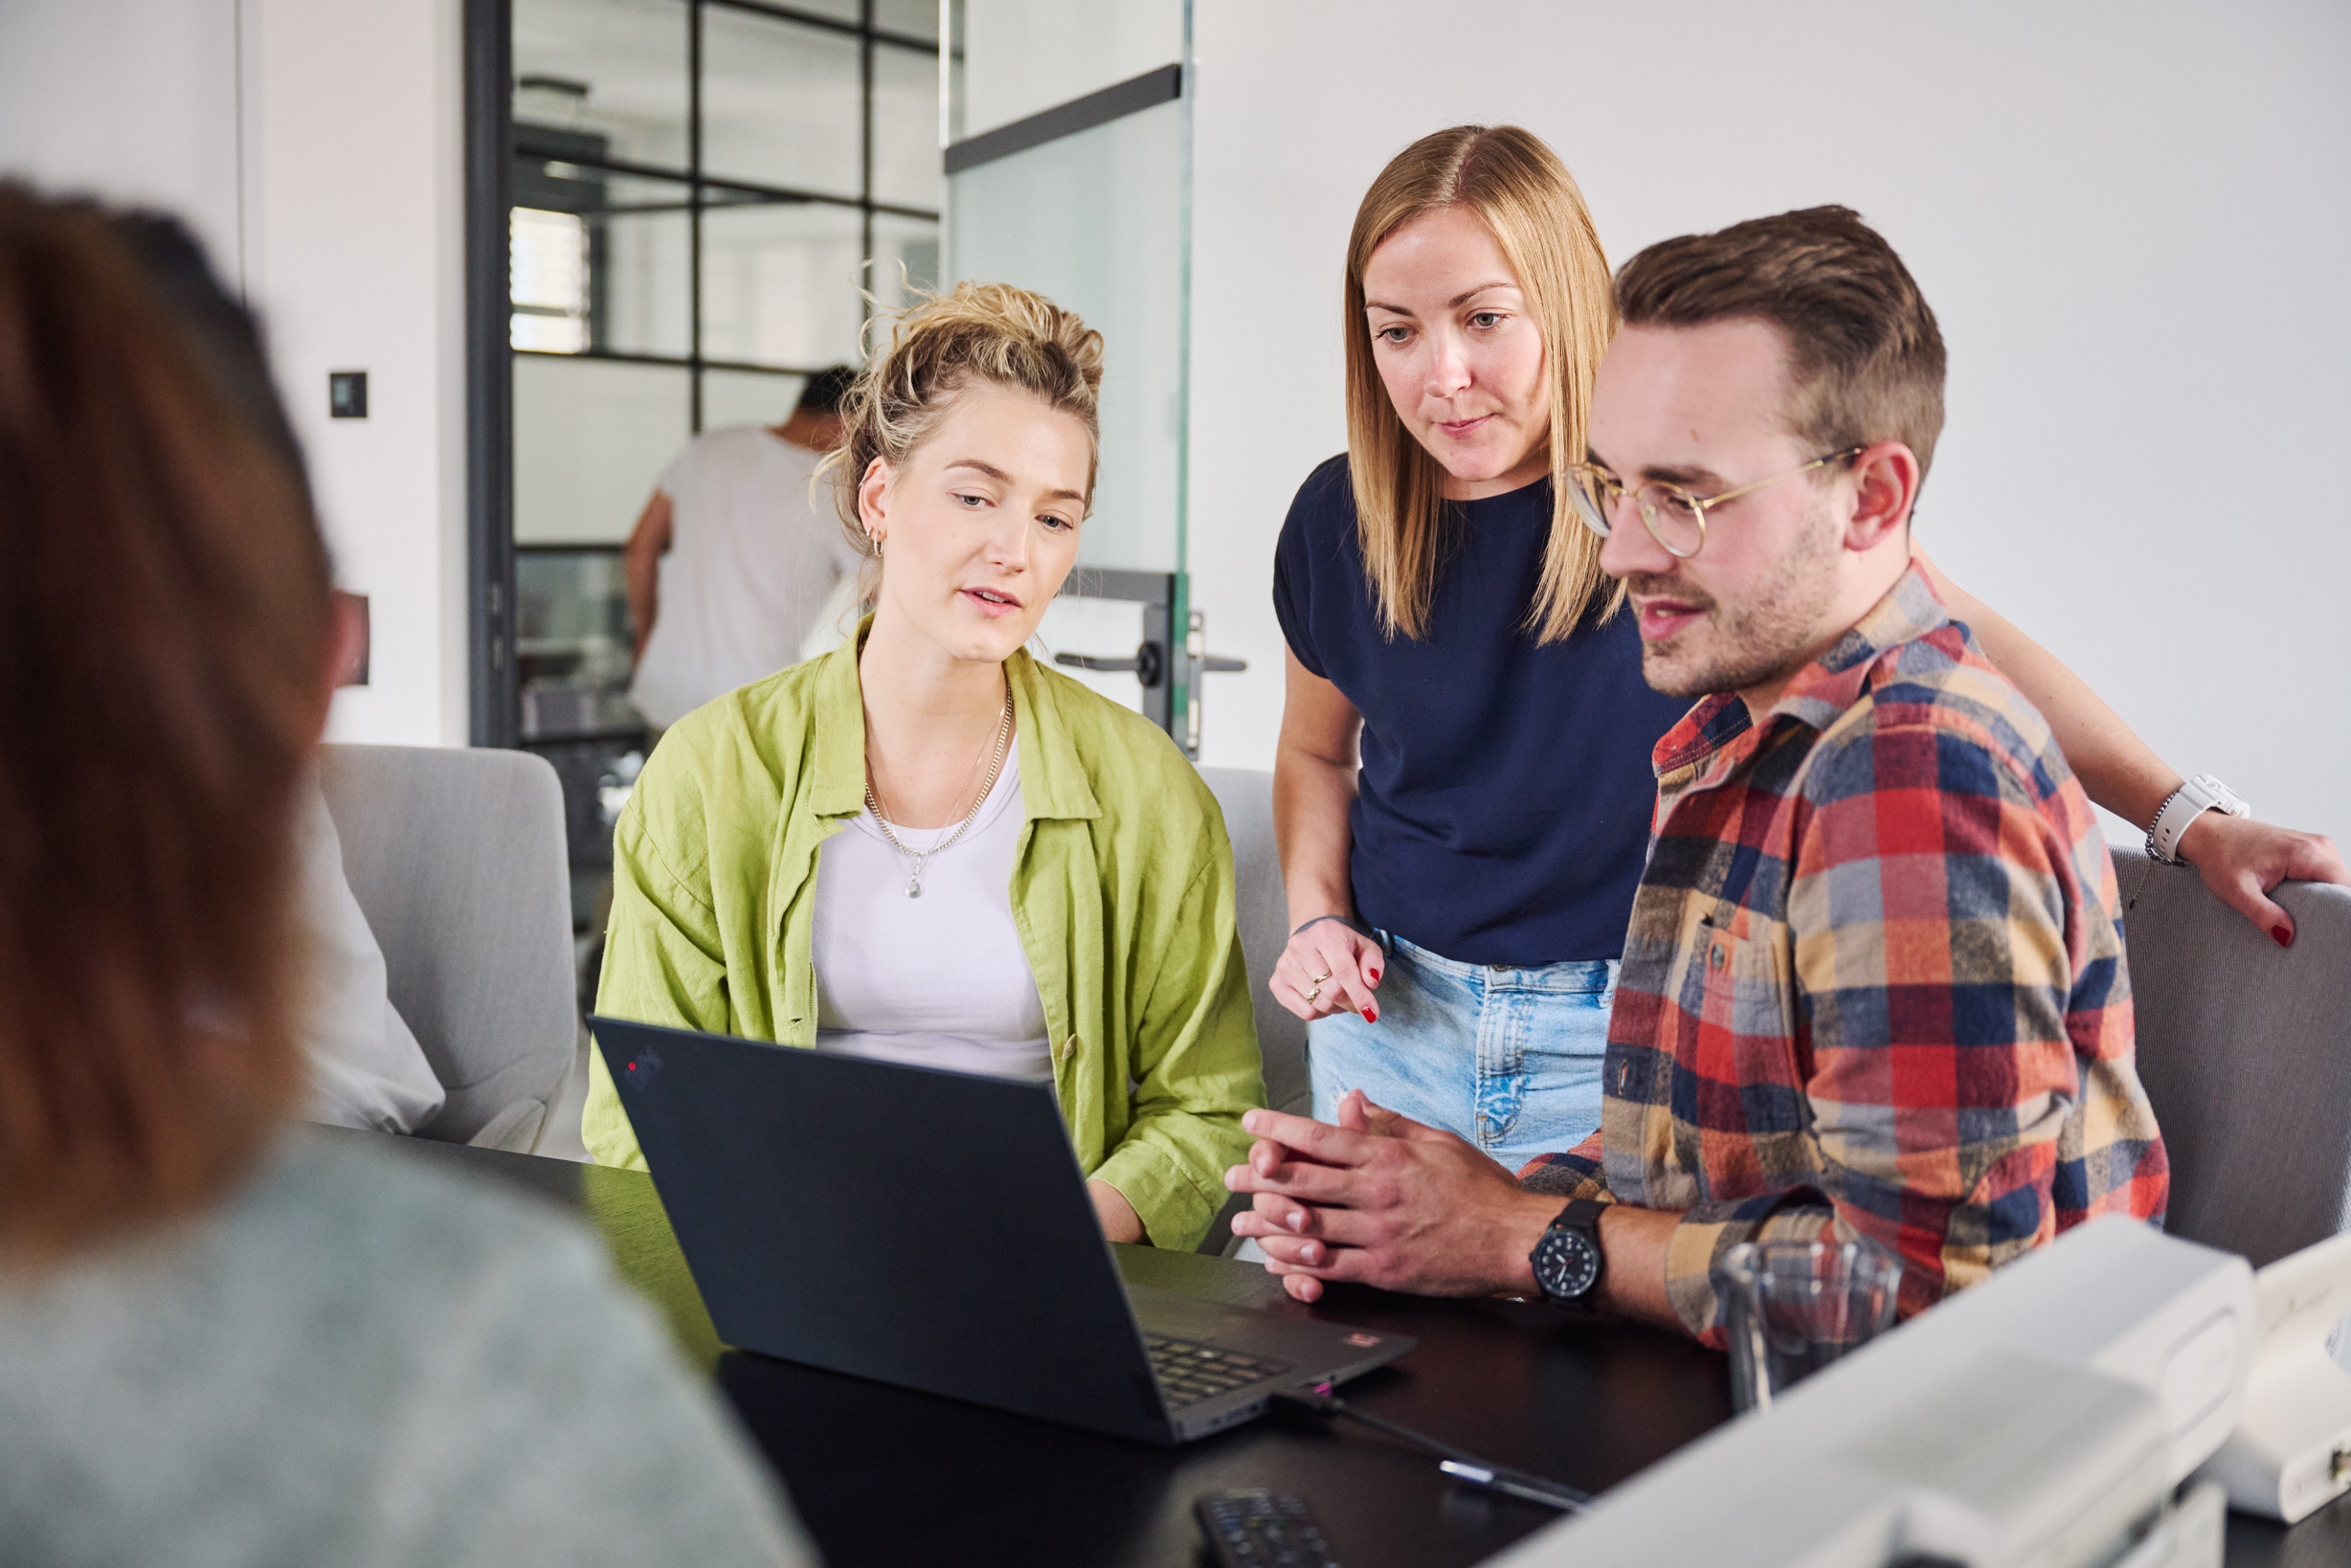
[1529, 202]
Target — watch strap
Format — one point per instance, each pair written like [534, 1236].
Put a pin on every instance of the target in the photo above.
[2182, 807]
[1581, 1214]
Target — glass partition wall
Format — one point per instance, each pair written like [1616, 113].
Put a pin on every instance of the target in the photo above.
[1068, 171]
[700, 203]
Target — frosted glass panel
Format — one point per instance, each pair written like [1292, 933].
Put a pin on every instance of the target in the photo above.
[642, 245]
[905, 126]
[589, 438]
[613, 69]
[1095, 222]
[747, 397]
[781, 104]
[779, 285]
[908, 18]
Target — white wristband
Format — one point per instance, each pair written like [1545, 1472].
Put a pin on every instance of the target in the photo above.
[2190, 800]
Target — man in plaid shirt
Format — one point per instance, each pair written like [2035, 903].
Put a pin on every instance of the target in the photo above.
[1875, 981]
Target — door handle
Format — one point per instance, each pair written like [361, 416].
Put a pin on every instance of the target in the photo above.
[1149, 663]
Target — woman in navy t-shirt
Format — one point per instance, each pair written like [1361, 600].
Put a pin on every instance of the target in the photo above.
[1443, 604]
[1458, 889]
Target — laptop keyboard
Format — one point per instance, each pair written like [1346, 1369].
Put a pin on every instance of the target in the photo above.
[1190, 1372]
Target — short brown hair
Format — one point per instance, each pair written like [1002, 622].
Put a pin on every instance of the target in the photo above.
[164, 634]
[1509, 178]
[1866, 359]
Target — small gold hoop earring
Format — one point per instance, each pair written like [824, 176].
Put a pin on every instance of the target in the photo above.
[877, 542]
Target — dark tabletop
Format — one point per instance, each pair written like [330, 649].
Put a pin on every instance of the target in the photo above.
[885, 1476]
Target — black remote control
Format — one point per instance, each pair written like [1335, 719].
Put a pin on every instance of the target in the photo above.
[1252, 1528]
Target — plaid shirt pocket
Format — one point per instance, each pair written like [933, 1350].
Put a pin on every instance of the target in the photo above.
[1737, 1003]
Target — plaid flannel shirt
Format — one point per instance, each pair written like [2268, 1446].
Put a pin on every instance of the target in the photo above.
[1874, 980]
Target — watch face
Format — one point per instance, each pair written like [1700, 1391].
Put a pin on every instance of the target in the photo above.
[1566, 1264]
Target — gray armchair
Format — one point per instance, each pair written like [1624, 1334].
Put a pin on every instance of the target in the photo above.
[1246, 796]
[457, 860]
[2246, 1052]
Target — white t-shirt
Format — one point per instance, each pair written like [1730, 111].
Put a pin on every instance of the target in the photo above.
[940, 980]
[751, 564]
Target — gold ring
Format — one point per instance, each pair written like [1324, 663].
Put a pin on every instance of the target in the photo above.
[1311, 994]
[1319, 978]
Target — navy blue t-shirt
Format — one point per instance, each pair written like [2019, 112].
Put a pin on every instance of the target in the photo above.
[1502, 814]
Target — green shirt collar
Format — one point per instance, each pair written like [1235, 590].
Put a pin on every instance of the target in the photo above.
[1052, 783]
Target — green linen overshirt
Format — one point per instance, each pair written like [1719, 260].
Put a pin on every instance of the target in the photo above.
[1122, 890]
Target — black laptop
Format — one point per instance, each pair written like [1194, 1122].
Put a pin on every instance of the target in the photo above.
[933, 1229]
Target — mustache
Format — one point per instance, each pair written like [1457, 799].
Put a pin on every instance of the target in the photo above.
[1649, 585]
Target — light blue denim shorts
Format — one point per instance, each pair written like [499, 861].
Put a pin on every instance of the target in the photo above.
[1508, 1057]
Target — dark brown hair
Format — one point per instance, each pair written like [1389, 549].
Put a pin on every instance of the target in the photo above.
[1866, 357]
[164, 636]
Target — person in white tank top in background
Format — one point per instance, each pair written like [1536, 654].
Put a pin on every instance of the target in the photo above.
[731, 566]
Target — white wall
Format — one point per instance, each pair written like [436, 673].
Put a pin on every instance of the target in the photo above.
[360, 165]
[315, 144]
[134, 98]
[2131, 216]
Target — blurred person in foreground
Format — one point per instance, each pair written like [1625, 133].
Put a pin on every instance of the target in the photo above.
[222, 1339]
[732, 565]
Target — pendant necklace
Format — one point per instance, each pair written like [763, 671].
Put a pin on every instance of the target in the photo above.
[914, 881]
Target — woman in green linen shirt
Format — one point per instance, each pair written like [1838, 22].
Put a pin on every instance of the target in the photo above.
[926, 846]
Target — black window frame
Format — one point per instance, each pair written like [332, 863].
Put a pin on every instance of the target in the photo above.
[491, 146]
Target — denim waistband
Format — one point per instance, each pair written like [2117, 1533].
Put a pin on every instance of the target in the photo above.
[1569, 975]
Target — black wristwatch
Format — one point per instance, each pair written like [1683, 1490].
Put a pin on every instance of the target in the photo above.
[1568, 1262]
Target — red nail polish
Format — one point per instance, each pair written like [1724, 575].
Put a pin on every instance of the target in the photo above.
[1370, 1015]
[2283, 937]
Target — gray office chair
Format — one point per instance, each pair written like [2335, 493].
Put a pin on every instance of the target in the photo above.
[1246, 796]
[2245, 1050]
[457, 860]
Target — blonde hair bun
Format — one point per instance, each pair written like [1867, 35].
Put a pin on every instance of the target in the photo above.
[994, 332]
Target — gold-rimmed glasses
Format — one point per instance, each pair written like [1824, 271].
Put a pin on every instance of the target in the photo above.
[1675, 517]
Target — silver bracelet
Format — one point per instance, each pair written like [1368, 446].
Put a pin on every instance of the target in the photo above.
[1319, 919]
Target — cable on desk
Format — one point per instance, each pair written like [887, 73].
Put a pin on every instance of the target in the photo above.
[1459, 1463]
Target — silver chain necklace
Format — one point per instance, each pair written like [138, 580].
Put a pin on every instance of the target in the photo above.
[914, 881]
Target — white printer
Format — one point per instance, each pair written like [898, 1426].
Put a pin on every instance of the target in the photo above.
[2043, 1419]
[2291, 1453]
